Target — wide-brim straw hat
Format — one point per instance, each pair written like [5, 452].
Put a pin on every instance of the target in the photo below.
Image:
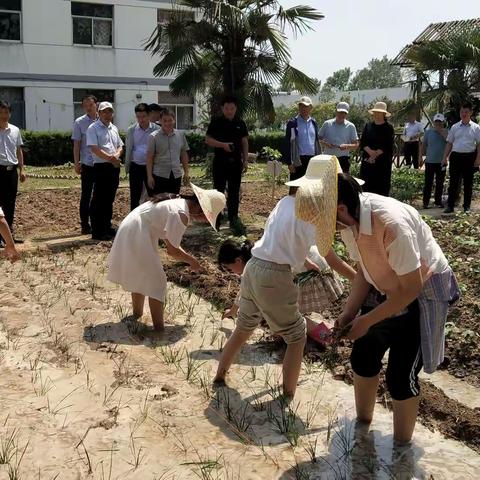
[380, 107]
[212, 203]
[315, 170]
[316, 202]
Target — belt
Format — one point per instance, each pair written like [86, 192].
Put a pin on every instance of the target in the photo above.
[8, 168]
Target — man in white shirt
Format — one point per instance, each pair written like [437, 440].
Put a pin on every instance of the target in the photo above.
[106, 146]
[412, 132]
[83, 158]
[338, 136]
[463, 153]
[11, 164]
[136, 147]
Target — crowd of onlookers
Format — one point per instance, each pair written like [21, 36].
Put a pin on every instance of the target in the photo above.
[156, 155]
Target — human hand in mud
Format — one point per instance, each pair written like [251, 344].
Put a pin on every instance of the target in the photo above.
[11, 253]
[196, 267]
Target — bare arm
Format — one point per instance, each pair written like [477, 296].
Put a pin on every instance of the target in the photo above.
[96, 150]
[341, 267]
[477, 161]
[76, 156]
[21, 165]
[182, 256]
[211, 142]
[184, 160]
[448, 150]
[350, 146]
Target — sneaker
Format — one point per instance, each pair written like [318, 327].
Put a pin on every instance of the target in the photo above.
[86, 230]
[448, 210]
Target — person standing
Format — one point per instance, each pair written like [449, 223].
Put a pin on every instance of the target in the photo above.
[106, 146]
[11, 164]
[136, 147]
[376, 146]
[155, 112]
[412, 132]
[302, 139]
[167, 154]
[83, 158]
[338, 136]
[463, 152]
[433, 147]
[228, 134]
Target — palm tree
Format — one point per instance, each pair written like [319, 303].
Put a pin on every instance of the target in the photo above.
[237, 47]
[447, 71]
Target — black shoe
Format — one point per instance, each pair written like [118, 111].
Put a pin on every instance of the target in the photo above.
[112, 232]
[86, 230]
[466, 210]
[448, 210]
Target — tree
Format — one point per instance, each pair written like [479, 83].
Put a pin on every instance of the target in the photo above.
[339, 79]
[234, 46]
[446, 72]
[378, 74]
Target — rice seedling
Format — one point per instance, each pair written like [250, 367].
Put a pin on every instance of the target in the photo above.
[310, 448]
[206, 384]
[344, 439]
[206, 468]
[41, 386]
[122, 371]
[87, 460]
[58, 407]
[192, 369]
[137, 454]
[108, 394]
[14, 468]
[171, 355]
[332, 420]
[7, 445]
[180, 442]
[107, 475]
[312, 409]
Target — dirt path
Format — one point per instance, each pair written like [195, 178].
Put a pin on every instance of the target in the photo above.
[85, 395]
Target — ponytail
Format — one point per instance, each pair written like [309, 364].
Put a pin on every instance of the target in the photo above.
[230, 251]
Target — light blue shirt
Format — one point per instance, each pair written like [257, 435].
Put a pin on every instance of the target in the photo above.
[434, 144]
[306, 136]
[10, 140]
[105, 137]
[337, 134]
[79, 133]
[140, 143]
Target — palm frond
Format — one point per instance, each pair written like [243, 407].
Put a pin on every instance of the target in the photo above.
[299, 80]
[298, 18]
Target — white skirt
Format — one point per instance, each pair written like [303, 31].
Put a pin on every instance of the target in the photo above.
[134, 261]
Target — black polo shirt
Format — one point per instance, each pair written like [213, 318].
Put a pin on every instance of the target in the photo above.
[228, 131]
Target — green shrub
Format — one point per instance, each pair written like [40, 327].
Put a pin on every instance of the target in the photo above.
[56, 148]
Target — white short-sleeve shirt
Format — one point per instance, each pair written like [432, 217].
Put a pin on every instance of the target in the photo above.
[464, 137]
[10, 140]
[412, 130]
[286, 239]
[79, 133]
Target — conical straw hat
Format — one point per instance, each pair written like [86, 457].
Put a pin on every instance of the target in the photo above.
[212, 202]
[316, 202]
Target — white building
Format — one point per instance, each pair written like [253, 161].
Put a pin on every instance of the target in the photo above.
[53, 52]
[359, 97]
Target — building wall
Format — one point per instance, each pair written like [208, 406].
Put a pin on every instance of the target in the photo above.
[48, 66]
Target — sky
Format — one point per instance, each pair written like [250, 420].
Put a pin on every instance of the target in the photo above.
[355, 31]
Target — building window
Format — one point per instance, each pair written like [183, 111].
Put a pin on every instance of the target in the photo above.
[182, 107]
[14, 96]
[101, 95]
[11, 20]
[164, 15]
[92, 24]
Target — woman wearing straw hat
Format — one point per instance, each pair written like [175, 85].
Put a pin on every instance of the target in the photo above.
[376, 146]
[268, 290]
[398, 256]
[134, 262]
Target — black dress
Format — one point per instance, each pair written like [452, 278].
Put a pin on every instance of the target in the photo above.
[378, 175]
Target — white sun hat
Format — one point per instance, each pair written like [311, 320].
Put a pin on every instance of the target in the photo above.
[315, 169]
[104, 106]
[439, 116]
[212, 203]
[307, 101]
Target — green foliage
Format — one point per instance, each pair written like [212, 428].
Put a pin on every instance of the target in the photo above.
[407, 184]
[258, 140]
[267, 153]
[378, 74]
[234, 47]
[339, 79]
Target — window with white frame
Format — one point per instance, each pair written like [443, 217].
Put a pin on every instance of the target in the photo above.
[92, 24]
[181, 106]
[100, 95]
[11, 20]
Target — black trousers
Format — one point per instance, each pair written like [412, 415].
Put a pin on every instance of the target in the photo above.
[433, 171]
[344, 163]
[167, 185]
[8, 193]
[401, 335]
[301, 170]
[137, 178]
[461, 168]
[410, 153]
[377, 176]
[87, 177]
[227, 176]
[106, 178]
